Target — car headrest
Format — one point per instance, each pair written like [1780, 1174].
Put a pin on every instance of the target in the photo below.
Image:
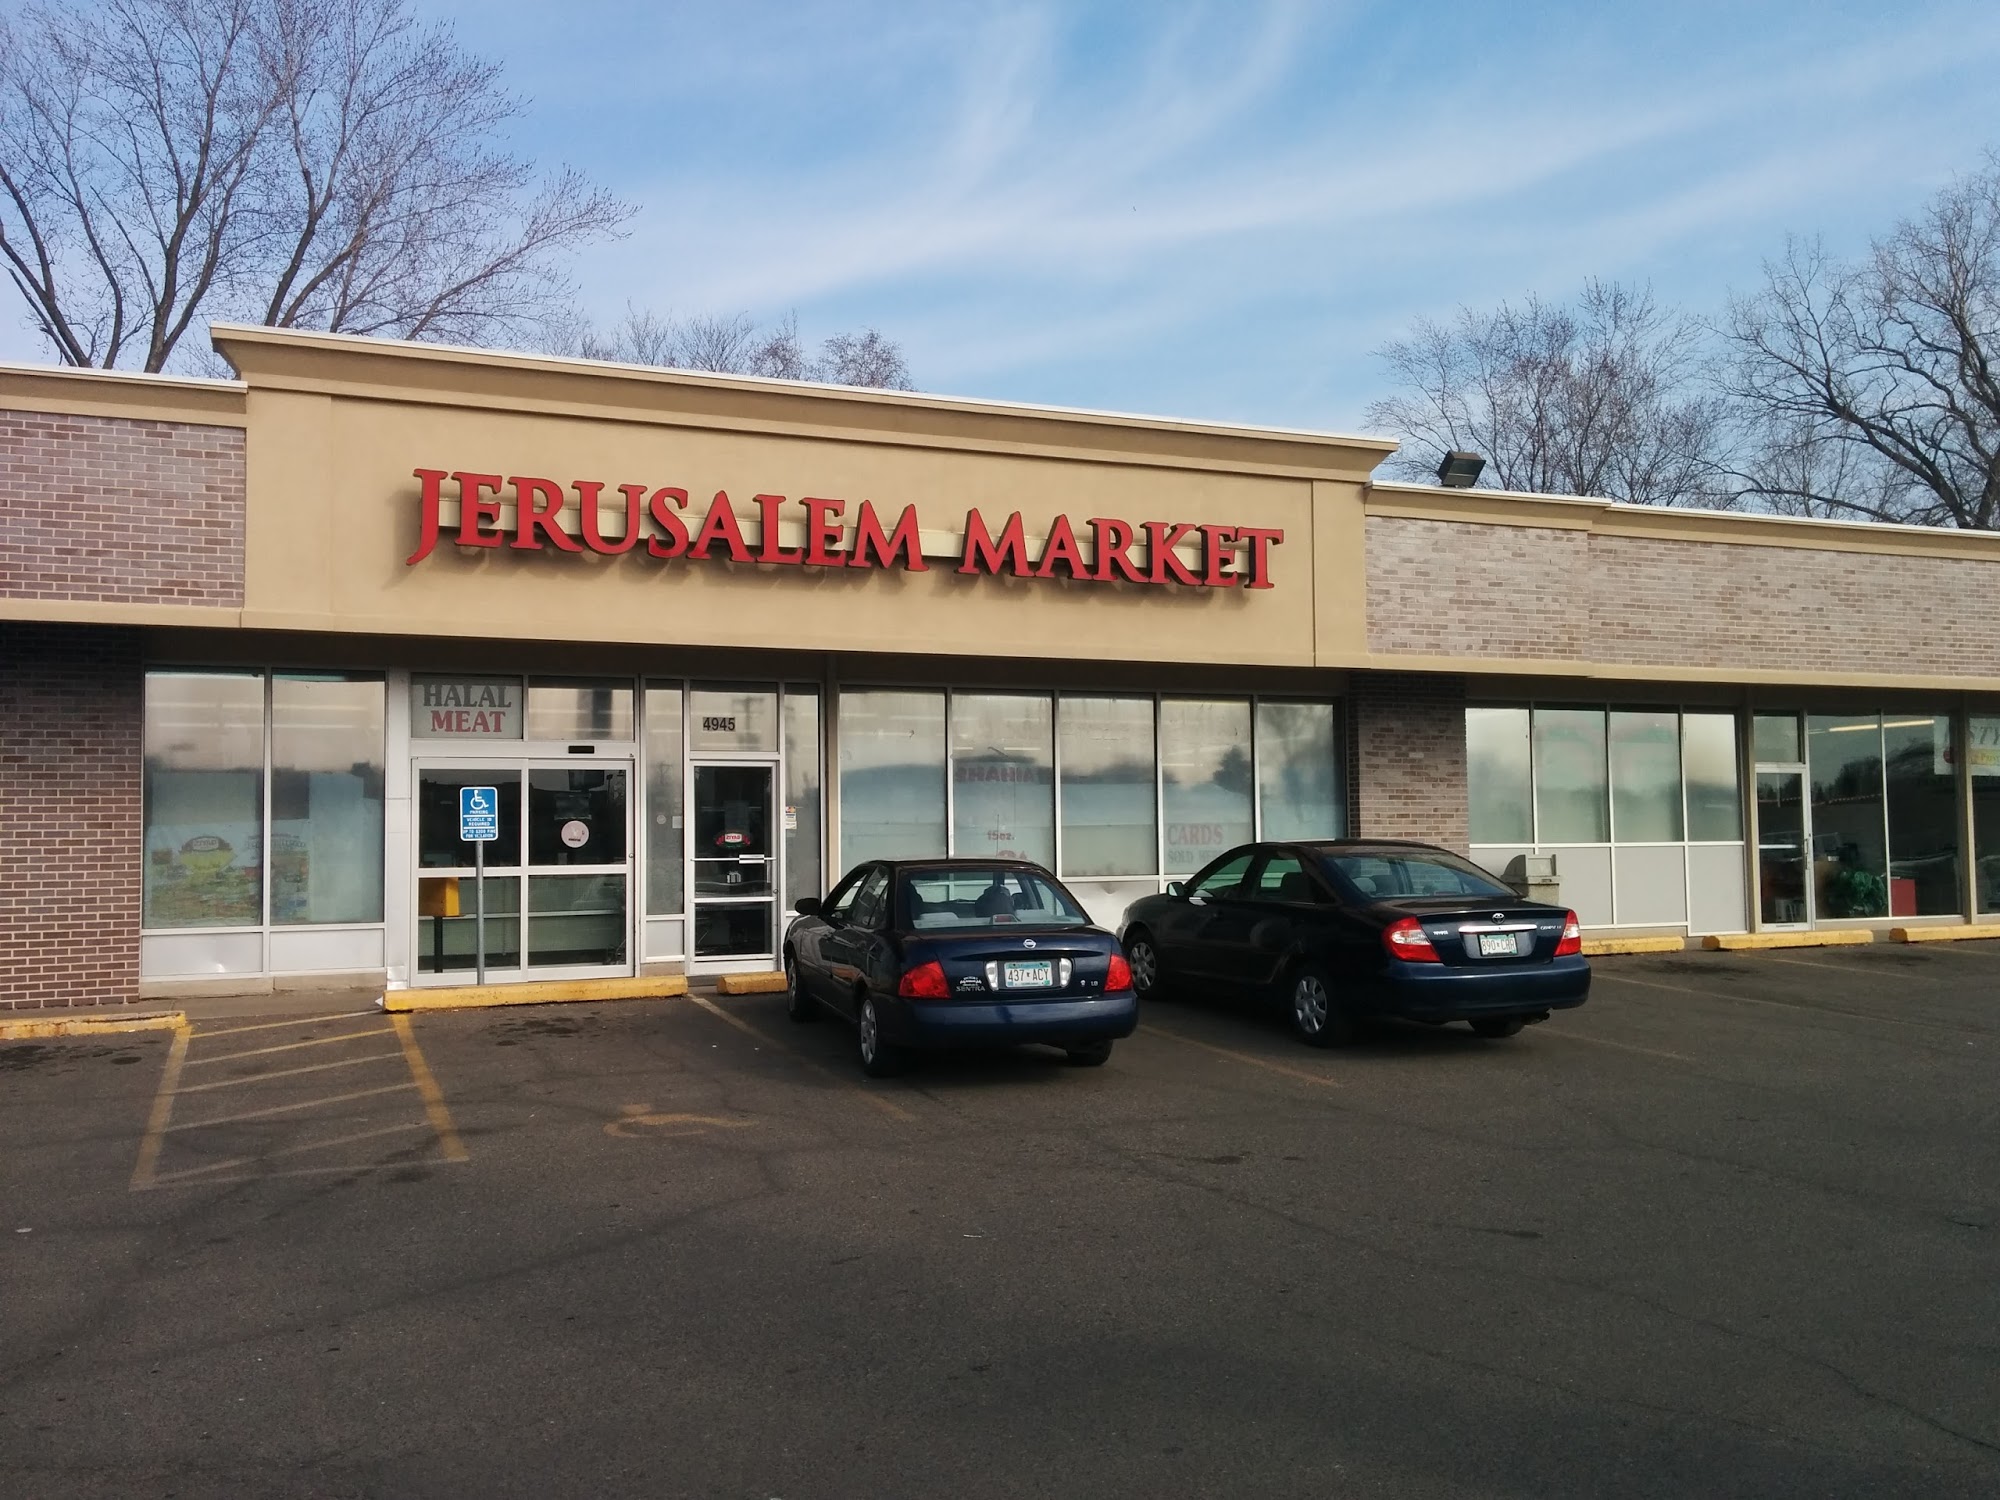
[993, 902]
[1295, 886]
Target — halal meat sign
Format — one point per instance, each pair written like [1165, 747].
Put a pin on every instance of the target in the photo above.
[661, 518]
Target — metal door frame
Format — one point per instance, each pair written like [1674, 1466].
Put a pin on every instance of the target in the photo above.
[520, 759]
[772, 765]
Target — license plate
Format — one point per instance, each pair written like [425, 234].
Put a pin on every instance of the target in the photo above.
[1499, 945]
[1037, 975]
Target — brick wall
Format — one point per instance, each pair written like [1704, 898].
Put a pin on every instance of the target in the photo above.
[115, 510]
[1406, 758]
[1454, 588]
[71, 707]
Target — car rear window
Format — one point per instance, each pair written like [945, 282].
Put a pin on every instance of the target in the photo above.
[962, 900]
[1384, 877]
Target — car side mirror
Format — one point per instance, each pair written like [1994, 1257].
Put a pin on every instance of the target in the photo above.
[1173, 888]
[807, 906]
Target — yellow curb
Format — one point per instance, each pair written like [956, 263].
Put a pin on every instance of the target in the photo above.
[1736, 942]
[152, 1020]
[538, 992]
[749, 984]
[1603, 947]
[1944, 934]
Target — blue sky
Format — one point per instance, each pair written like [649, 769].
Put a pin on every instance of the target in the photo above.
[1220, 210]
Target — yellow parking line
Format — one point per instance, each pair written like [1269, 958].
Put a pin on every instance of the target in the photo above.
[318, 1041]
[887, 1106]
[1286, 1069]
[286, 1109]
[163, 1108]
[420, 1072]
[235, 1083]
[172, 1179]
[339, 1015]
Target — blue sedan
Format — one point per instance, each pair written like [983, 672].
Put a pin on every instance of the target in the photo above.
[927, 954]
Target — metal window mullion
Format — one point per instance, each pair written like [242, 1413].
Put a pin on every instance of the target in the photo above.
[1160, 788]
[1256, 776]
[264, 796]
[1055, 778]
[950, 773]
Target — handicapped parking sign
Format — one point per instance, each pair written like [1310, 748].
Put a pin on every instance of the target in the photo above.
[478, 814]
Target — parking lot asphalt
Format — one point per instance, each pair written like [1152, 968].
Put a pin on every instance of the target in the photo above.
[1731, 1229]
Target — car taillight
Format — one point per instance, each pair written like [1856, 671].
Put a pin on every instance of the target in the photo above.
[1407, 940]
[924, 982]
[1119, 975]
[1572, 938]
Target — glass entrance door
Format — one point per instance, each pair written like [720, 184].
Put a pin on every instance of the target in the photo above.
[1784, 894]
[735, 864]
[565, 845]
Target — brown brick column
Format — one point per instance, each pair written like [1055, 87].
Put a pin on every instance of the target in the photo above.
[1406, 757]
[72, 700]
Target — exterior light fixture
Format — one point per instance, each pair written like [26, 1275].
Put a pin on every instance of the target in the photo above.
[1460, 470]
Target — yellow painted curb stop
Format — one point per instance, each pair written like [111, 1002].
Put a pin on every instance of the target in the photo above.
[1605, 947]
[537, 992]
[1738, 942]
[95, 1025]
[750, 984]
[1944, 934]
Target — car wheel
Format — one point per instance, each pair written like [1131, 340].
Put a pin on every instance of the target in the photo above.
[1091, 1055]
[1498, 1027]
[880, 1058]
[1316, 1015]
[1143, 954]
[800, 1006]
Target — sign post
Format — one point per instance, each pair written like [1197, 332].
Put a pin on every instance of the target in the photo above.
[479, 825]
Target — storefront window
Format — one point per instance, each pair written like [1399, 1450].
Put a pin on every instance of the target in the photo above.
[326, 798]
[204, 799]
[1844, 765]
[1298, 771]
[1570, 802]
[1205, 778]
[803, 875]
[1003, 776]
[1645, 776]
[579, 709]
[1922, 785]
[1110, 823]
[465, 708]
[1982, 753]
[1714, 788]
[892, 770]
[725, 720]
[664, 834]
[1496, 772]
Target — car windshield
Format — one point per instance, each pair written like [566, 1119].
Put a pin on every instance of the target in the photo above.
[1385, 876]
[969, 899]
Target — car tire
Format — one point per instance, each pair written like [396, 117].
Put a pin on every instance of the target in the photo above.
[1315, 1012]
[1090, 1055]
[1142, 953]
[880, 1058]
[800, 1006]
[1497, 1028]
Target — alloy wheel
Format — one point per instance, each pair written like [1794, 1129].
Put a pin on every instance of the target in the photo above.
[871, 1034]
[1145, 965]
[1310, 1005]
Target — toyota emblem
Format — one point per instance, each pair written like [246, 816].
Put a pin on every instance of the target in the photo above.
[1499, 916]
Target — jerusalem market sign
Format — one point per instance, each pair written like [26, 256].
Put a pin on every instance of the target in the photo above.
[1119, 551]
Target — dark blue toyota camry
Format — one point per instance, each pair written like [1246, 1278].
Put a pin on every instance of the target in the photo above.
[926, 954]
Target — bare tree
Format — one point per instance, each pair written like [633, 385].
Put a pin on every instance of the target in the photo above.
[737, 346]
[1604, 398]
[304, 163]
[1874, 387]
